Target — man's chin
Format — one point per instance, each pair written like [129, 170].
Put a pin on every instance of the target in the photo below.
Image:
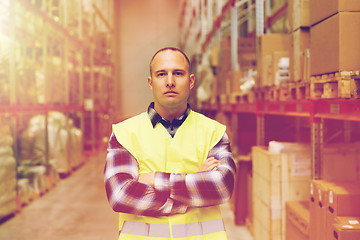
[172, 104]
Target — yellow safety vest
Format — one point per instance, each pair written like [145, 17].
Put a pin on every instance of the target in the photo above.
[156, 150]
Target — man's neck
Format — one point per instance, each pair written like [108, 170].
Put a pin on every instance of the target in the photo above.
[170, 113]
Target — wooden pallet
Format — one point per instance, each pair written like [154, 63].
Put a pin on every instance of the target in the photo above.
[355, 86]
[261, 94]
[299, 90]
[278, 93]
[345, 84]
[248, 97]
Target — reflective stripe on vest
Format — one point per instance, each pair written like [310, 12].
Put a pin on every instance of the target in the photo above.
[178, 231]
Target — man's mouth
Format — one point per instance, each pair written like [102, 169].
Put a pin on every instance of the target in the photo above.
[170, 93]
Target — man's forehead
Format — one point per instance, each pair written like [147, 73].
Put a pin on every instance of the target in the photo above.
[169, 58]
[170, 53]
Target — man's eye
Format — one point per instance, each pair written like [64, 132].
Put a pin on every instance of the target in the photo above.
[161, 74]
[179, 74]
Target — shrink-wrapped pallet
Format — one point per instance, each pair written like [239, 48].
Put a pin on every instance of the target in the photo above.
[63, 144]
[7, 173]
[37, 177]
[76, 147]
[59, 154]
[24, 190]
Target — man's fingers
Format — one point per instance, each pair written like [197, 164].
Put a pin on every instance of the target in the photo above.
[209, 164]
[213, 166]
[212, 161]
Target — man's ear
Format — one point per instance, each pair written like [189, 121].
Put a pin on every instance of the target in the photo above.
[150, 82]
[192, 81]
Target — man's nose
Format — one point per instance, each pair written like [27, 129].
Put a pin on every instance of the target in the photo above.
[170, 81]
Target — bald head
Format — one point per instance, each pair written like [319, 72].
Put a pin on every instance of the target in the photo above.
[169, 49]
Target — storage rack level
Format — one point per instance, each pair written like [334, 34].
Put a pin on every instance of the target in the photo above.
[314, 110]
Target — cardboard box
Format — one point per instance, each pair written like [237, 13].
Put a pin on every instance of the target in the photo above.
[342, 162]
[270, 69]
[225, 54]
[246, 53]
[267, 44]
[247, 60]
[221, 77]
[343, 201]
[297, 220]
[322, 197]
[322, 9]
[277, 178]
[214, 56]
[298, 58]
[298, 14]
[319, 190]
[346, 228]
[334, 44]
[349, 220]
[307, 65]
[246, 45]
[234, 82]
[266, 71]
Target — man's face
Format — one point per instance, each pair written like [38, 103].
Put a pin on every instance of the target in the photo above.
[170, 80]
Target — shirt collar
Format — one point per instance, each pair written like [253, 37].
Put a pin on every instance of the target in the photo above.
[156, 118]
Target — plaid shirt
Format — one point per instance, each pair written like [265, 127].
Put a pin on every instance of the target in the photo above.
[173, 193]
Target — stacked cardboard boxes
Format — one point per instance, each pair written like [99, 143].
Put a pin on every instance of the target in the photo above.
[277, 178]
[247, 53]
[330, 200]
[341, 176]
[224, 65]
[323, 9]
[347, 228]
[299, 20]
[233, 82]
[271, 48]
[228, 80]
[334, 45]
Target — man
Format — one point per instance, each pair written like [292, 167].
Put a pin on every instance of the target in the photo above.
[168, 169]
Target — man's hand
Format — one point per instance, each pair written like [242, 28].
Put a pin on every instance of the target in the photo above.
[147, 178]
[209, 164]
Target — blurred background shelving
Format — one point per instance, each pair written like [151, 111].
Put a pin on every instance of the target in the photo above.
[281, 74]
[57, 72]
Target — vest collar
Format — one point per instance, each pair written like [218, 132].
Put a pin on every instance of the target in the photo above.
[155, 118]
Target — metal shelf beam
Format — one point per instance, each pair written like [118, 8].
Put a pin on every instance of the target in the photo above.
[339, 109]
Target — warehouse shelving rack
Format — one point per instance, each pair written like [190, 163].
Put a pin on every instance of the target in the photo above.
[315, 110]
[60, 41]
[261, 17]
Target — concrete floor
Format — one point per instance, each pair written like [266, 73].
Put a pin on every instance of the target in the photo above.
[77, 209]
